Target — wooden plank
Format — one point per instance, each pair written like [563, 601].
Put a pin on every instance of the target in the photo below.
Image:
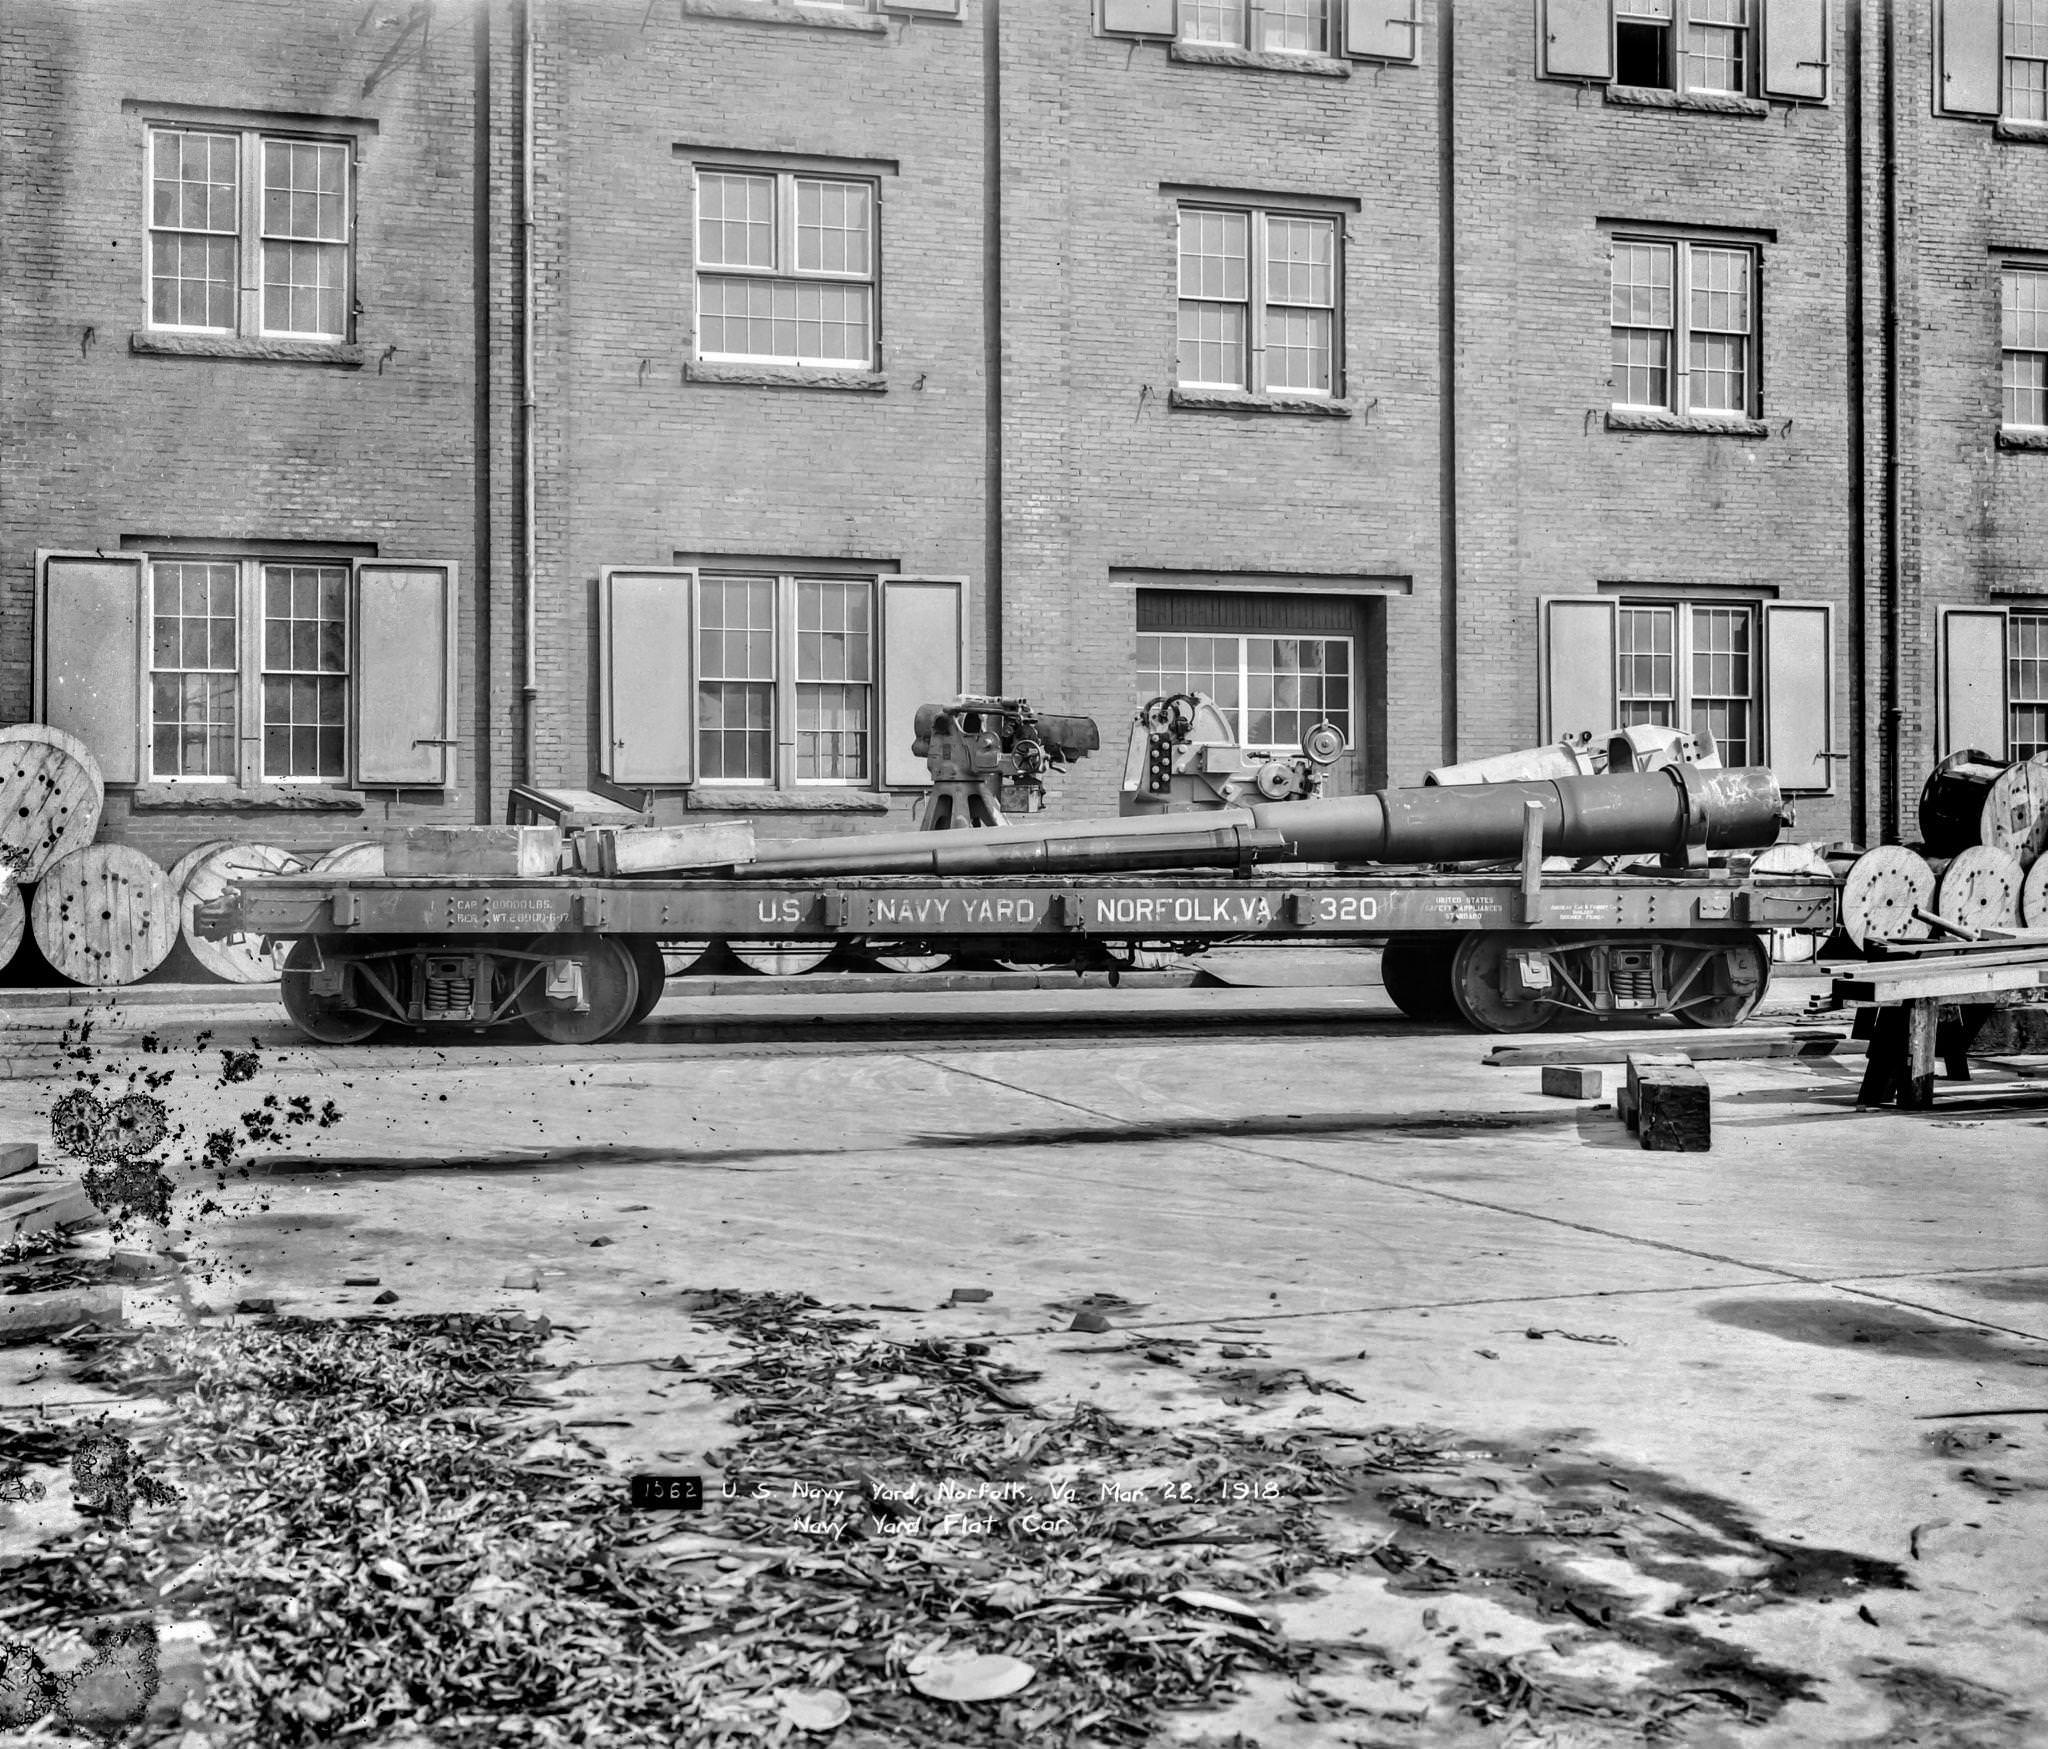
[2009, 947]
[37, 1203]
[1674, 1111]
[17, 1157]
[1910, 983]
[1701, 1046]
[1916, 1089]
[568, 808]
[631, 850]
[513, 852]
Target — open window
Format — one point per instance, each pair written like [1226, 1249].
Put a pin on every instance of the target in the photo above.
[1779, 49]
[1757, 677]
[754, 678]
[245, 672]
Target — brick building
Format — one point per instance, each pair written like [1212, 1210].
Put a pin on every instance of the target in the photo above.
[397, 404]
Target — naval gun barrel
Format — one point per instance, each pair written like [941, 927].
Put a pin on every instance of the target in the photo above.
[1671, 812]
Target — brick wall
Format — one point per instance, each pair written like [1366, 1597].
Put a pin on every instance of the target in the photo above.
[98, 443]
[1550, 501]
[1976, 514]
[640, 465]
[1100, 473]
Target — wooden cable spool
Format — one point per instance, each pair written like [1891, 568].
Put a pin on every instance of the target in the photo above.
[364, 859]
[1880, 893]
[1980, 889]
[781, 959]
[1952, 800]
[51, 793]
[2034, 896]
[239, 959]
[104, 915]
[13, 921]
[680, 956]
[2015, 813]
[192, 859]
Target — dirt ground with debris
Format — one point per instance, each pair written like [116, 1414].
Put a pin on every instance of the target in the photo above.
[1318, 1387]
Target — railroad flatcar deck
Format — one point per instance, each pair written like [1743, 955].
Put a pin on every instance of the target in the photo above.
[577, 959]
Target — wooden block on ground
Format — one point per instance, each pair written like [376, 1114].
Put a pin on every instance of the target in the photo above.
[17, 1157]
[631, 850]
[2011, 1032]
[37, 1202]
[1674, 1114]
[515, 852]
[1565, 1082]
[1627, 1098]
[29, 1317]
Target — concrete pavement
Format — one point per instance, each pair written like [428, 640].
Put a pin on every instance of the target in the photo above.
[1763, 1328]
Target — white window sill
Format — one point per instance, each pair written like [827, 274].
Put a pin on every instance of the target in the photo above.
[786, 376]
[1683, 424]
[230, 799]
[2023, 437]
[2034, 131]
[1238, 401]
[1695, 102]
[162, 345]
[783, 12]
[743, 799]
[1258, 60]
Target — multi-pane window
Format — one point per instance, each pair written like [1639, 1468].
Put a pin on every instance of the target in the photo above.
[2023, 341]
[195, 670]
[785, 679]
[1683, 320]
[220, 262]
[1272, 690]
[1690, 665]
[1258, 300]
[2026, 668]
[305, 671]
[785, 269]
[1285, 26]
[2026, 60]
[1684, 45]
[208, 619]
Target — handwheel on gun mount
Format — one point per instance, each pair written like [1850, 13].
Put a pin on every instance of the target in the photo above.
[1416, 972]
[328, 1020]
[1478, 982]
[1746, 959]
[610, 990]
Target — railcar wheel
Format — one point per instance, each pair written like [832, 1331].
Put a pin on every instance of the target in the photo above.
[1479, 982]
[879, 953]
[1416, 971]
[611, 990]
[781, 959]
[327, 1020]
[1746, 968]
[652, 970]
[1143, 956]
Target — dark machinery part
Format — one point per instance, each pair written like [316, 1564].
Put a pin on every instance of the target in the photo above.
[1184, 758]
[1679, 813]
[977, 748]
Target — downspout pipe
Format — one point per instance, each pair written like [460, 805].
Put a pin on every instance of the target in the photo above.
[1859, 440]
[529, 691]
[1888, 758]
